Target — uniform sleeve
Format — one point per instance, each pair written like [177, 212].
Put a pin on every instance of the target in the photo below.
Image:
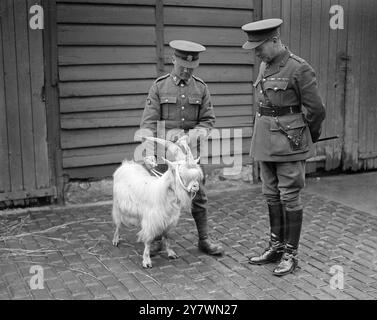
[310, 99]
[152, 111]
[206, 115]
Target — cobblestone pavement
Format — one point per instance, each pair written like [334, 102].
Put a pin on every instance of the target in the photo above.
[79, 261]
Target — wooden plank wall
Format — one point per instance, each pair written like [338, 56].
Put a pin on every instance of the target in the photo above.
[360, 150]
[109, 55]
[107, 62]
[344, 61]
[23, 132]
[224, 66]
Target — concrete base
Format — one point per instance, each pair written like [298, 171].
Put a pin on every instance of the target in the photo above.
[358, 191]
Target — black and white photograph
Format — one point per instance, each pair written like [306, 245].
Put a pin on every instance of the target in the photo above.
[188, 155]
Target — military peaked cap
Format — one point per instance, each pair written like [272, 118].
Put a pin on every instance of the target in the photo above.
[187, 52]
[260, 31]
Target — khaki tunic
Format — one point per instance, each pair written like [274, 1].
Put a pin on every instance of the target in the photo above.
[288, 81]
[181, 104]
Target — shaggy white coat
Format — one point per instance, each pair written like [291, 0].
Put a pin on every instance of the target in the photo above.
[153, 203]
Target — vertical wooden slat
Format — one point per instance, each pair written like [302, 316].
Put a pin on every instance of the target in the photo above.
[4, 162]
[323, 65]
[11, 89]
[372, 75]
[315, 40]
[160, 37]
[267, 9]
[276, 9]
[351, 133]
[333, 115]
[286, 26]
[340, 86]
[305, 27]
[368, 83]
[38, 106]
[295, 26]
[52, 97]
[24, 96]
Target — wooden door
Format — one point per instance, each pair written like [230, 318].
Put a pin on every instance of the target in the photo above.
[24, 162]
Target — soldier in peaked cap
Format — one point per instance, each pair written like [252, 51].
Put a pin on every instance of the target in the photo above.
[183, 101]
[283, 137]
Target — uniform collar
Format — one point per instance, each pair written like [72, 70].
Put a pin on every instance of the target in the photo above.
[177, 80]
[279, 61]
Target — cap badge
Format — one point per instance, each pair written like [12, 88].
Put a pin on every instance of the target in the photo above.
[189, 58]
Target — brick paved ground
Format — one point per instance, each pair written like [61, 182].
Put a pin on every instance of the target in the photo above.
[82, 263]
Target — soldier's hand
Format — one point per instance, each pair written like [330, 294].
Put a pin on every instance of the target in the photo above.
[174, 134]
[150, 162]
[197, 133]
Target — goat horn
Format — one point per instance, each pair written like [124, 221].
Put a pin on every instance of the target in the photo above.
[170, 146]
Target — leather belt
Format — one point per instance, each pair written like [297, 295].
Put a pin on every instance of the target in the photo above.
[278, 111]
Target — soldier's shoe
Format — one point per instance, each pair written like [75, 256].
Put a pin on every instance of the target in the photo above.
[272, 254]
[288, 264]
[208, 247]
[156, 247]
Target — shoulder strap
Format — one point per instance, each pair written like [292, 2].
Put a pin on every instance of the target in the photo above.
[198, 79]
[162, 77]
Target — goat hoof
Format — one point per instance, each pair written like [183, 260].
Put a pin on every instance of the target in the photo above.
[115, 243]
[147, 264]
[173, 256]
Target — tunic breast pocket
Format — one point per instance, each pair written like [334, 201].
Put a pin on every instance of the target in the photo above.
[193, 108]
[275, 90]
[168, 107]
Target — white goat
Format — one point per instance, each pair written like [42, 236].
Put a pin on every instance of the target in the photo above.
[155, 203]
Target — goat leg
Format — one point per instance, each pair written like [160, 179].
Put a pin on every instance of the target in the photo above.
[116, 235]
[147, 262]
[170, 252]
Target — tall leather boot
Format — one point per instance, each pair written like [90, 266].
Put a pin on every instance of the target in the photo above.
[205, 244]
[289, 261]
[199, 213]
[275, 250]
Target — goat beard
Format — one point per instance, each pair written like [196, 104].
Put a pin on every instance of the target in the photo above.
[183, 196]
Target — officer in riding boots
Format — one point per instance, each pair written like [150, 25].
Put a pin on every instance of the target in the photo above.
[183, 102]
[283, 137]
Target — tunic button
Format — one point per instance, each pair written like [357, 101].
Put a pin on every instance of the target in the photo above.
[182, 85]
[197, 101]
[276, 88]
[182, 95]
[183, 119]
[183, 108]
[288, 127]
[261, 91]
[166, 100]
[263, 80]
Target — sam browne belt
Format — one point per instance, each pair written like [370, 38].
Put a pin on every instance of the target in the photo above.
[274, 111]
